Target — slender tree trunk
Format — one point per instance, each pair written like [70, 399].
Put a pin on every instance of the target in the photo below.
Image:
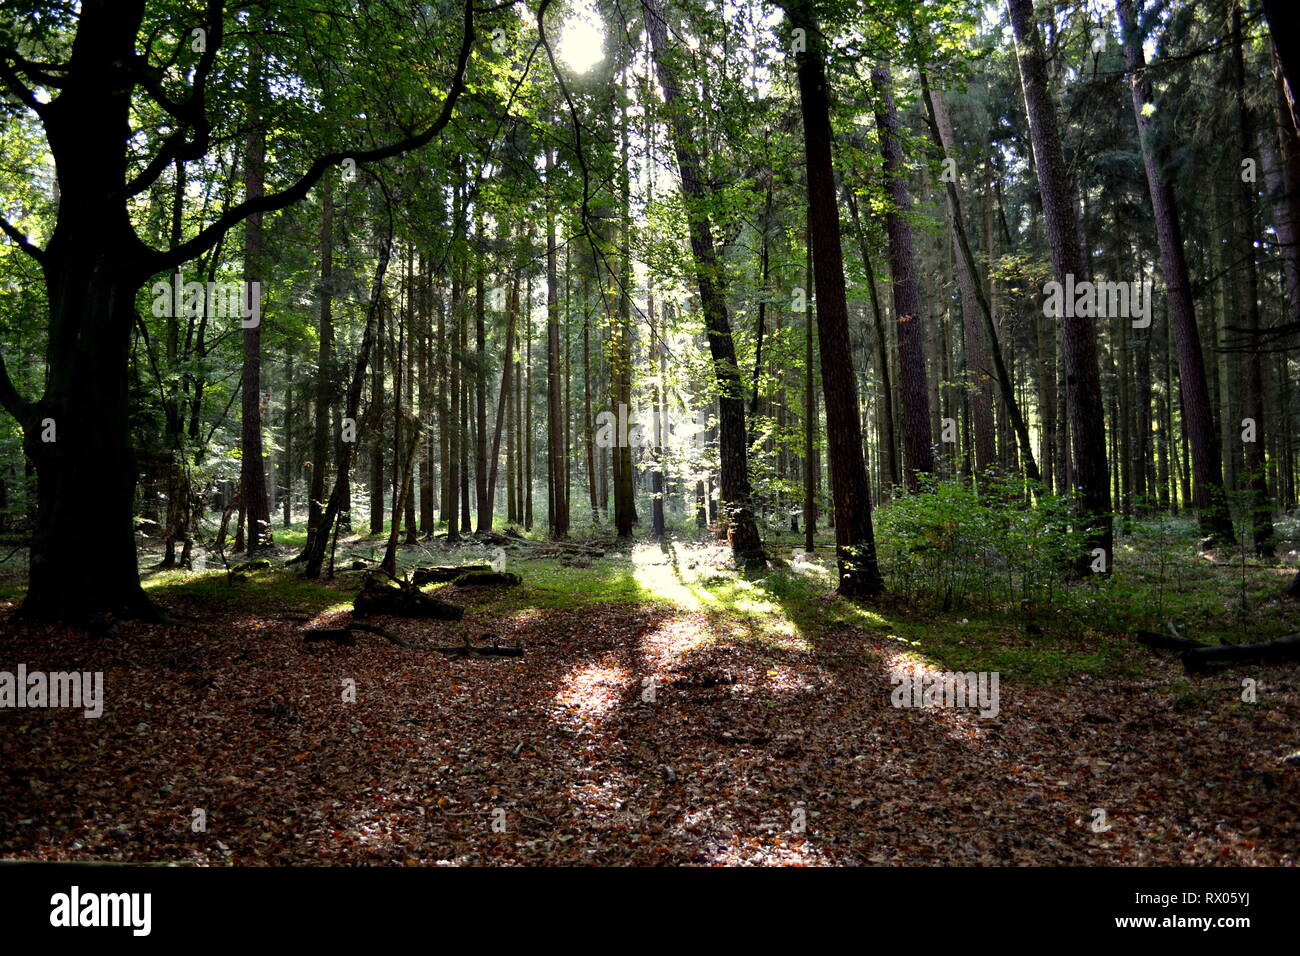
[1253, 393]
[339, 498]
[969, 280]
[503, 399]
[482, 496]
[324, 391]
[888, 438]
[558, 516]
[854, 535]
[1209, 494]
[809, 398]
[1078, 336]
[981, 385]
[257, 505]
[745, 541]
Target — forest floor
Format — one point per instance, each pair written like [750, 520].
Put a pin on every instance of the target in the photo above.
[666, 710]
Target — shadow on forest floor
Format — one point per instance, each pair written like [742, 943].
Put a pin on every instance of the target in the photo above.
[667, 710]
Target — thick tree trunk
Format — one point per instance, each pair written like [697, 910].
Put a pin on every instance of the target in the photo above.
[77, 437]
[918, 452]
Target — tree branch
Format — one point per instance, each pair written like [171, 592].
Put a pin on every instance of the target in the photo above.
[21, 240]
[209, 236]
[23, 411]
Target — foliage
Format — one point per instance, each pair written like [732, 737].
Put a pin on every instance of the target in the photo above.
[955, 546]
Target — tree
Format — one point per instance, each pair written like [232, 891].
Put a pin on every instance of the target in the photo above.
[1198, 418]
[95, 264]
[918, 452]
[855, 545]
[733, 471]
[1078, 337]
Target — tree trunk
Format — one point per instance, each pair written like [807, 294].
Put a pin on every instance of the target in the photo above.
[1198, 417]
[1078, 336]
[324, 366]
[981, 384]
[252, 472]
[558, 517]
[482, 497]
[918, 452]
[503, 399]
[886, 414]
[854, 535]
[1253, 391]
[745, 541]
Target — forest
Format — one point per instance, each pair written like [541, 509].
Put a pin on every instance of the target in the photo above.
[650, 432]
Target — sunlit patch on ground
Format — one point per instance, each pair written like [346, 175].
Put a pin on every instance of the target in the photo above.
[592, 691]
[666, 644]
[658, 572]
[959, 723]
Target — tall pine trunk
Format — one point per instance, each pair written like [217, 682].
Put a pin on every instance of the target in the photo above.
[746, 544]
[918, 452]
[1198, 417]
[1078, 336]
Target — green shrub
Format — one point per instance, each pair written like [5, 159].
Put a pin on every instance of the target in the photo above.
[993, 548]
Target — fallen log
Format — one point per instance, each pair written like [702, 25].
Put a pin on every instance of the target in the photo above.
[1202, 659]
[482, 650]
[402, 601]
[344, 637]
[554, 549]
[382, 632]
[487, 579]
[1173, 641]
[439, 574]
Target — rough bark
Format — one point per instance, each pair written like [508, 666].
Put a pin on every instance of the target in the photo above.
[918, 452]
[854, 536]
[1078, 335]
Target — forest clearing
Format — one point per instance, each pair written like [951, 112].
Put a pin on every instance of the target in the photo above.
[665, 710]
